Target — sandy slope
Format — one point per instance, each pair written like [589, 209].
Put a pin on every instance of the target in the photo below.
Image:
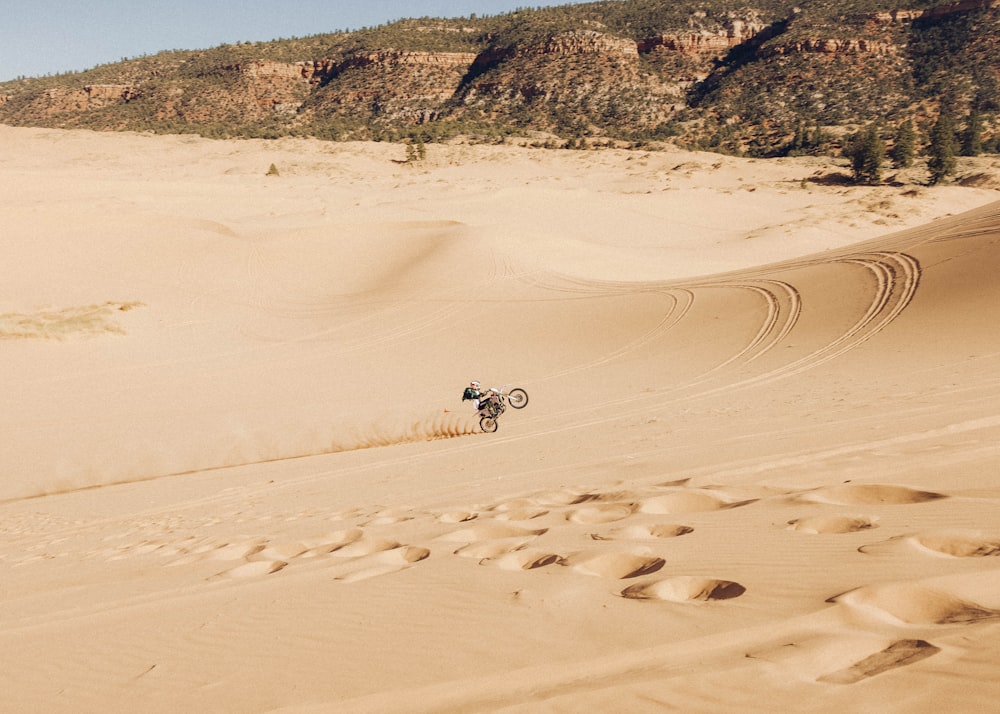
[758, 470]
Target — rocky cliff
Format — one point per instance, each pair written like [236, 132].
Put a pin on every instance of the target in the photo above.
[886, 65]
[630, 69]
[60, 100]
[715, 43]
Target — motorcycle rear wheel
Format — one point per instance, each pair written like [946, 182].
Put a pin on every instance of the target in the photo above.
[518, 398]
[488, 424]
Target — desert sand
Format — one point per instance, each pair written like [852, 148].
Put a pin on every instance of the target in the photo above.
[759, 469]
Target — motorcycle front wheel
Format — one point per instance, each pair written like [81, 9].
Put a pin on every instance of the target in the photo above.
[518, 398]
[488, 424]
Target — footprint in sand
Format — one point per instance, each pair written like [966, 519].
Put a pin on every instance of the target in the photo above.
[690, 501]
[330, 542]
[260, 557]
[929, 603]
[201, 551]
[490, 530]
[551, 499]
[492, 549]
[338, 539]
[492, 540]
[253, 569]
[352, 555]
[844, 658]
[596, 506]
[869, 494]
[831, 524]
[379, 563]
[521, 509]
[604, 497]
[282, 550]
[960, 545]
[652, 531]
[259, 549]
[684, 588]
[899, 654]
[390, 517]
[527, 559]
[364, 546]
[954, 544]
[457, 517]
[617, 566]
[605, 513]
[522, 514]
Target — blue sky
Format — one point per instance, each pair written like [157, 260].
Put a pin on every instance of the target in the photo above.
[71, 35]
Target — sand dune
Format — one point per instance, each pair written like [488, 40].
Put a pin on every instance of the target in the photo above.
[758, 470]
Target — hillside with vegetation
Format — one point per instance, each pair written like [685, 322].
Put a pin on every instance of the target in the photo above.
[754, 77]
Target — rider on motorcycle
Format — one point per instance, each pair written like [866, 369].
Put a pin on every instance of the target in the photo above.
[484, 402]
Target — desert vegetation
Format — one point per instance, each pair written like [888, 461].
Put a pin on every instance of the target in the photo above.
[767, 79]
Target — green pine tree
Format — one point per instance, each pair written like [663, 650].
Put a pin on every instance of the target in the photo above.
[905, 146]
[866, 150]
[972, 137]
[819, 139]
[800, 141]
[941, 161]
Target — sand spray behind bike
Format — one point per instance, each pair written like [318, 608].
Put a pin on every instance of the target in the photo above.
[392, 430]
[364, 432]
[210, 446]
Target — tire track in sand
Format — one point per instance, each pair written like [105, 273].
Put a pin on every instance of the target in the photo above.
[896, 280]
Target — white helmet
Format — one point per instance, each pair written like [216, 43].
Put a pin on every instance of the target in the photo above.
[474, 384]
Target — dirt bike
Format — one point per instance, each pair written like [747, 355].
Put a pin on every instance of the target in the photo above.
[496, 404]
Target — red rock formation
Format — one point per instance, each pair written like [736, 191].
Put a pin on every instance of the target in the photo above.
[589, 41]
[102, 94]
[281, 70]
[92, 96]
[390, 84]
[934, 12]
[314, 71]
[736, 33]
[391, 57]
[873, 46]
[890, 16]
[959, 6]
[831, 46]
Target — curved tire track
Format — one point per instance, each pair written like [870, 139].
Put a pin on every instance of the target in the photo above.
[896, 279]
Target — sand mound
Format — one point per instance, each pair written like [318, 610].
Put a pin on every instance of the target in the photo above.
[685, 589]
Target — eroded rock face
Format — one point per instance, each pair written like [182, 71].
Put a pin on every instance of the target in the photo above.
[388, 85]
[889, 16]
[904, 15]
[959, 6]
[391, 57]
[274, 70]
[91, 96]
[832, 46]
[589, 42]
[735, 33]
[364, 83]
[583, 77]
[104, 93]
